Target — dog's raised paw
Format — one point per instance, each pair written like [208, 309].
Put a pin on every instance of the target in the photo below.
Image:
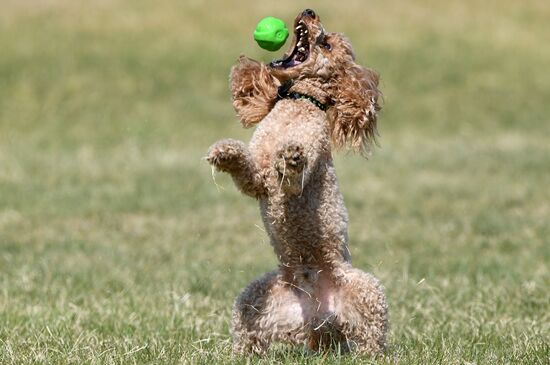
[225, 153]
[291, 159]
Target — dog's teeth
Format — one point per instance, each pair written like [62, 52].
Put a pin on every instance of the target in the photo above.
[301, 49]
[305, 31]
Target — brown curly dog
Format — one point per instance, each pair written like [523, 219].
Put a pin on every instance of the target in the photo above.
[312, 100]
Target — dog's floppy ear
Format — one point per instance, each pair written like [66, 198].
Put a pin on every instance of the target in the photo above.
[353, 116]
[254, 90]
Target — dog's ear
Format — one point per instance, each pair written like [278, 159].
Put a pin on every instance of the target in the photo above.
[254, 90]
[353, 116]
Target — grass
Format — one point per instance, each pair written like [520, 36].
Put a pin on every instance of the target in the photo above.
[116, 246]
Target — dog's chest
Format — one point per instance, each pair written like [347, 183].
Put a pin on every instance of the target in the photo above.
[289, 121]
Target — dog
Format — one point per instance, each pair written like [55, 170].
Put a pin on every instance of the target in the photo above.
[313, 100]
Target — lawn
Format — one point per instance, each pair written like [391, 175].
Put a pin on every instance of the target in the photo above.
[117, 247]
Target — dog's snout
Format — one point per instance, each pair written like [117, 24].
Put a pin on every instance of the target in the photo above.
[308, 12]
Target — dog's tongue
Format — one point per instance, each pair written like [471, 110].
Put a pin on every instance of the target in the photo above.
[291, 63]
[284, 63]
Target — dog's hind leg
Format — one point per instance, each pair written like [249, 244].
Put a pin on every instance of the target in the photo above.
[361, 312]
[267, 310]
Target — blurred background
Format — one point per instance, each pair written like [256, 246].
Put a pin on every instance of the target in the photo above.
[116, 246]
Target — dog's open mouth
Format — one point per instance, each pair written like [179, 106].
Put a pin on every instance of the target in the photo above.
[300, 52]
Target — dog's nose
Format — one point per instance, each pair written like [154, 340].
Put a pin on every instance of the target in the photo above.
[308, 12]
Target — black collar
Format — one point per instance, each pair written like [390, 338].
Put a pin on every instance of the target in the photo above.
[284, 93]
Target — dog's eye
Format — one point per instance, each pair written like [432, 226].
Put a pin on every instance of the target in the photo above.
[327, 46]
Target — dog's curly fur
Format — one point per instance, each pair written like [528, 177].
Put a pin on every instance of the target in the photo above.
[315, 297]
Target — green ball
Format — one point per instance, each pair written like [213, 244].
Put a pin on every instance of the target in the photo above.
[271, 33]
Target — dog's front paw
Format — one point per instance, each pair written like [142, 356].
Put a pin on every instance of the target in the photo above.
[225, 154]
[290, 160]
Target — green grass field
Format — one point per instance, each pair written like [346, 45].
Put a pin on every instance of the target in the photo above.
[116, 247]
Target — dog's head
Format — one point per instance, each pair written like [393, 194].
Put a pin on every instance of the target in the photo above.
[313, 52]
[323, 62]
